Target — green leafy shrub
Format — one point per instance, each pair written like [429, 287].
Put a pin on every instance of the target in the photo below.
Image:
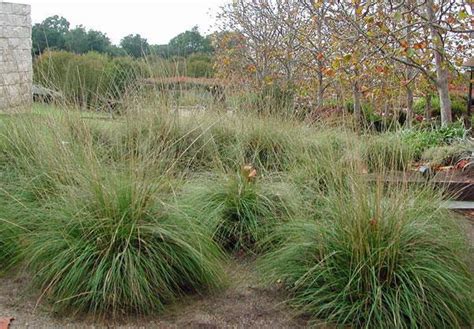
[88, 80]
[366, 108]
[458, 106]
[376, 121]
[422, 139]
[240, 210]
[109, 246]
[375, 258]
[199, 66]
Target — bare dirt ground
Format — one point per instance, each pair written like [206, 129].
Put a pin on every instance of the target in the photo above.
[244, 304]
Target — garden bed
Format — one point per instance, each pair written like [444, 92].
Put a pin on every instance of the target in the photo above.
[143, 219]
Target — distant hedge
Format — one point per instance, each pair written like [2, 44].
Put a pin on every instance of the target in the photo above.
[88, 80]
[200, 66]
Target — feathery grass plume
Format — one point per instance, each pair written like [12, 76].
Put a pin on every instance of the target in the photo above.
[239, 209]
[375, 257]
[110, 245]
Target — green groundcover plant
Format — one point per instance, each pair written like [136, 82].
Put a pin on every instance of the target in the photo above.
[422, 139]
[447, 155]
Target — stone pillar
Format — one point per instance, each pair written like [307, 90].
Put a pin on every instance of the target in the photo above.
[16, 72]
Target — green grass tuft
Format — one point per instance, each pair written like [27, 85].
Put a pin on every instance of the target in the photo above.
[240, 212]
[110, 246]
[9, 244]
[447, 155]
[387, 152]
[96, 208]
[375, 257]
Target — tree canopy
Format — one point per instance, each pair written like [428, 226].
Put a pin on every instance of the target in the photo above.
[55, 33]
[51, 33]
[371, 51]
[135, 45]
[80, 41]
[189, 42]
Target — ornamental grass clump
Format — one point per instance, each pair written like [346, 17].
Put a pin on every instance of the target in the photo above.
[111, 246]
[240, 209]
[329, 156]
[47, 150]
[14, 210]
[447, 155]
[376, 256]
[387, 152]
[270, 144]
[189, 144]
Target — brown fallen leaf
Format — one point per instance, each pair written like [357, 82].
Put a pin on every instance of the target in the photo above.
[461, 164]
[249, 172]
[253, 174]
[5, 322]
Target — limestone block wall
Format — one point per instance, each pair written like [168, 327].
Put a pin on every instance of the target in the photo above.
[16, 72]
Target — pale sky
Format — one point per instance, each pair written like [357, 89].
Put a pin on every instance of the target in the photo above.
[156, 20]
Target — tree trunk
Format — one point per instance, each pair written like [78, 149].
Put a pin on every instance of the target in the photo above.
[409, 119]
[440, 63]
[428, 106]
[444, 99]
[385, 114]
[320, 99]
[340, 98]
[320, 63]
[409, 73]
[386, 108]
[356, 99]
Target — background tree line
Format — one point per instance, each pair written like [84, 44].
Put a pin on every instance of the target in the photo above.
[89, 71]
[55, 33]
